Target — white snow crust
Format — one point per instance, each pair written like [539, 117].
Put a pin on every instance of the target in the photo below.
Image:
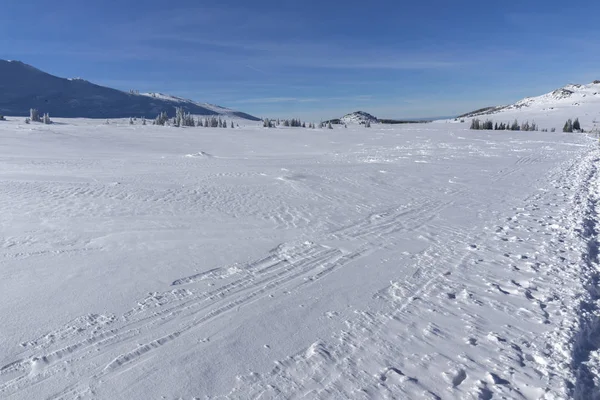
[396, 262]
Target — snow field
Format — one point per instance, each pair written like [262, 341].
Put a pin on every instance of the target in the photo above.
[408, 261]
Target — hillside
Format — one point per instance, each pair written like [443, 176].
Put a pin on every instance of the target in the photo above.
[358, 117]
[553, 108]
[24, 87]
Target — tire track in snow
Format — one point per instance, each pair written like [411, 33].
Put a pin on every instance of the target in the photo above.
[263, 277]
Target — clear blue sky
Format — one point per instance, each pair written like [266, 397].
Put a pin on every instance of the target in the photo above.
[314, 59]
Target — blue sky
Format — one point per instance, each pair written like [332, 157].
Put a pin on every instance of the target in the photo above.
[314, 59]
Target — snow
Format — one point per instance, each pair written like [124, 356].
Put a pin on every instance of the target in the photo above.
[179, 100]
[553, 109]
[403, 261]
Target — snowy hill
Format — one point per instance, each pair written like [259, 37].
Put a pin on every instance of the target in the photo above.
[177, 101]
[570, 101]
[24, 87]
[358, 117]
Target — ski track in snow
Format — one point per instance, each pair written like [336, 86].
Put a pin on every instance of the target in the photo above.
[477, 291]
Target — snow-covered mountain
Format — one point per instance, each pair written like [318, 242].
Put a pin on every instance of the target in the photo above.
[551, 109]
[568, 97]
[358, 117]
[211, 107]
[23, 87]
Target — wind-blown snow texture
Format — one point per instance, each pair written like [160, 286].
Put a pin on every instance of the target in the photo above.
[412, 261]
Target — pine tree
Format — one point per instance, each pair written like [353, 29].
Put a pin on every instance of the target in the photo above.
[34, 115]
[46, 119]
[515, 126]
[568, 126]
[329, 126]
[576, 125]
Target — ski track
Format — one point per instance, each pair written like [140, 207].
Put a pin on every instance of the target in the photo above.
[534, 270]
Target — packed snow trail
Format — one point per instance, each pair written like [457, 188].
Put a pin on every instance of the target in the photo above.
[394, 262]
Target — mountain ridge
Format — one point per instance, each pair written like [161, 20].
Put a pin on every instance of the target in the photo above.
[24, 86]
[571, 95]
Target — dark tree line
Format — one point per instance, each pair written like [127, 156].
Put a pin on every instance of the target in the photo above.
[489, 125]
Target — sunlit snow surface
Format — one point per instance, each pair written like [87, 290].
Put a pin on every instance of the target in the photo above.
[413, 261]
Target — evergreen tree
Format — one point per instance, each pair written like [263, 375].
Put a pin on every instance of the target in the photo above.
[34, 115]
[515, 126]
[329, 125]
[568, 126]
[161, 119]
[576, 125]
[46, 119]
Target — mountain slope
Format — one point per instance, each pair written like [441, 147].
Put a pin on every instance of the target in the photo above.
[23, 87]
[551, 109]
[567, 97]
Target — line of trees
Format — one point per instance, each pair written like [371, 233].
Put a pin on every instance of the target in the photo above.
[489, 125]
[182, 119]
[294, 123]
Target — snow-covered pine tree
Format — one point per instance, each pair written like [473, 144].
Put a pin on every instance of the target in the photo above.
[161, 119]
[34, 115]
[130, 121]
[46, 119]
[329, 126]
[576, 125]
[568, 126]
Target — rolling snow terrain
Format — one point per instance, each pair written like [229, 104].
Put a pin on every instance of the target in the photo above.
[401, 261]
